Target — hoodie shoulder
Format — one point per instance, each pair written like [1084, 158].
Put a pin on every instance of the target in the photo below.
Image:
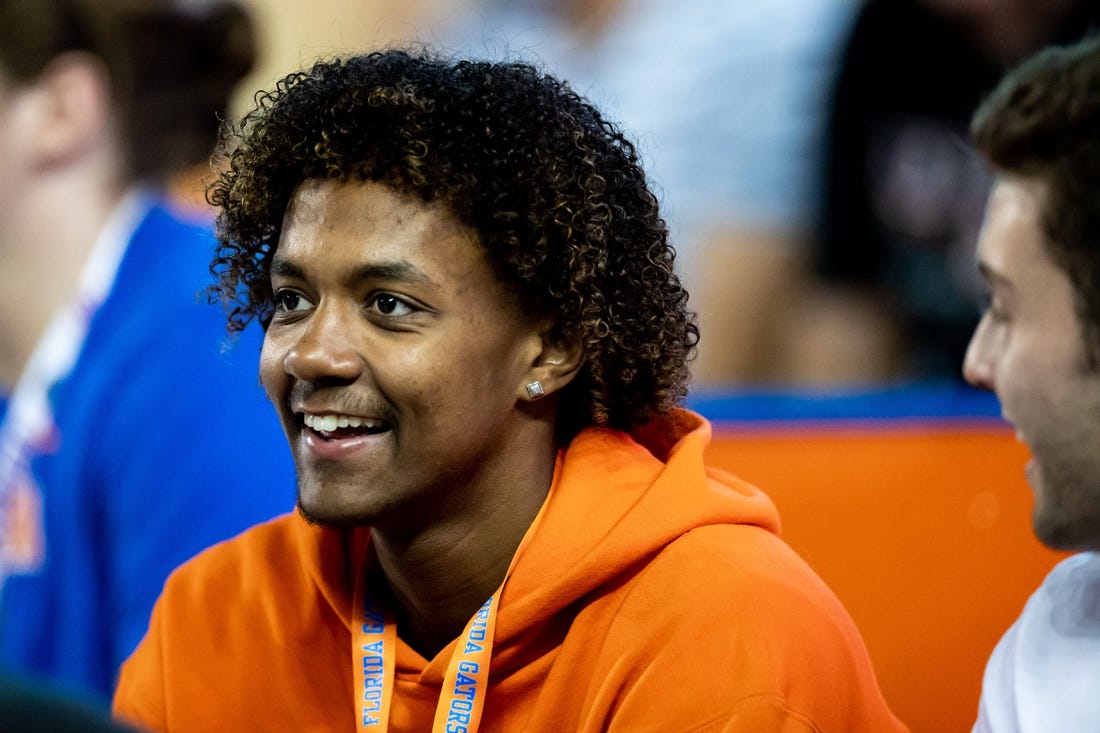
[238, 607]
[733, 612]
[236, 562]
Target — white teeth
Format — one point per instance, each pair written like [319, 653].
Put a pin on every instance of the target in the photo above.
[328, 423]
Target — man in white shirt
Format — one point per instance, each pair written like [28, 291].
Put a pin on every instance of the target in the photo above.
[1038, 347]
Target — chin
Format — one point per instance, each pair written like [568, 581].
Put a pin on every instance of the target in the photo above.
[1058, 532]
[324, 514]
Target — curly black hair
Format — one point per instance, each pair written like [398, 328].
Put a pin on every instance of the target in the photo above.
[554, 190]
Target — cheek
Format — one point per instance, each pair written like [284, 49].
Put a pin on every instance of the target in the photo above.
[1036, 392]
[1019, 400]
[446, 380]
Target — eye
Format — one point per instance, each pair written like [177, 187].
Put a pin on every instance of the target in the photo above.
[389, 305]
[994, 310]
[290, 300]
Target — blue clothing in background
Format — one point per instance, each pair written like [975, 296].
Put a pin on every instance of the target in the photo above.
[163, 445]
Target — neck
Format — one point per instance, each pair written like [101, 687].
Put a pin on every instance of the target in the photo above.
[441, 575]
[46, 237]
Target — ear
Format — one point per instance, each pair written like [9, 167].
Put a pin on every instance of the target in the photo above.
[68, 109]
[554, 367]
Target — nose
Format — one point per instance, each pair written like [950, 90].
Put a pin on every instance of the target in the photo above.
[324, 351]
[978, 362]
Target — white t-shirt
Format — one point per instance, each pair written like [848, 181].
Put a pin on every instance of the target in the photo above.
[1044, 675]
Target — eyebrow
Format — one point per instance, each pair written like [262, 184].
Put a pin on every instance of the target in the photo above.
[399, 271]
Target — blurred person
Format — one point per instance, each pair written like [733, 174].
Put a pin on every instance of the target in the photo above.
[130, 437]
[1038, 347]
[29, 706]
[477, 345]
[903, 190]
[726, 101]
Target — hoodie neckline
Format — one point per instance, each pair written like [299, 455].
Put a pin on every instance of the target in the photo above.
[616, 499]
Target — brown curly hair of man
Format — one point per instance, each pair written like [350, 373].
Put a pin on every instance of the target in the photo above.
[553, 189]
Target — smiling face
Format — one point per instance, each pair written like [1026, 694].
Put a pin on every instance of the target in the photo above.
[396, 359]
[1029, 349]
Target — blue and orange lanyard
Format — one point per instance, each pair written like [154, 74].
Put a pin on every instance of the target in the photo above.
[466, 682]
[462, 699]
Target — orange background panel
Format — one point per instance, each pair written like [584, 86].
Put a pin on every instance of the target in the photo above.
[923, 532]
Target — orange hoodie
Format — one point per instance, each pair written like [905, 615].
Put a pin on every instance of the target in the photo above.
[652, 595]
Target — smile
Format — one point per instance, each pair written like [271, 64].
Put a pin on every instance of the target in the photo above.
[331, 423]
[339, 437]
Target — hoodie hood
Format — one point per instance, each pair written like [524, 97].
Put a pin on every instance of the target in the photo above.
[618, 499]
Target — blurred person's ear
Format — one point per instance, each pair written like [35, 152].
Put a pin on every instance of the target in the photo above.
[68, 111]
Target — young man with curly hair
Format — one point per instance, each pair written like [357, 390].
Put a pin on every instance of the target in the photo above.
[476, 343]
[1038, 347]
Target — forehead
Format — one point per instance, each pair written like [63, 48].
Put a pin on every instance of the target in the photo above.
[334, 229]
[363, 208]
[1012, 242]
[330, 222]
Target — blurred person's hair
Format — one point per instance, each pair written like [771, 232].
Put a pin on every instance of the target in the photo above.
[172, 66]
[1042, 123]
